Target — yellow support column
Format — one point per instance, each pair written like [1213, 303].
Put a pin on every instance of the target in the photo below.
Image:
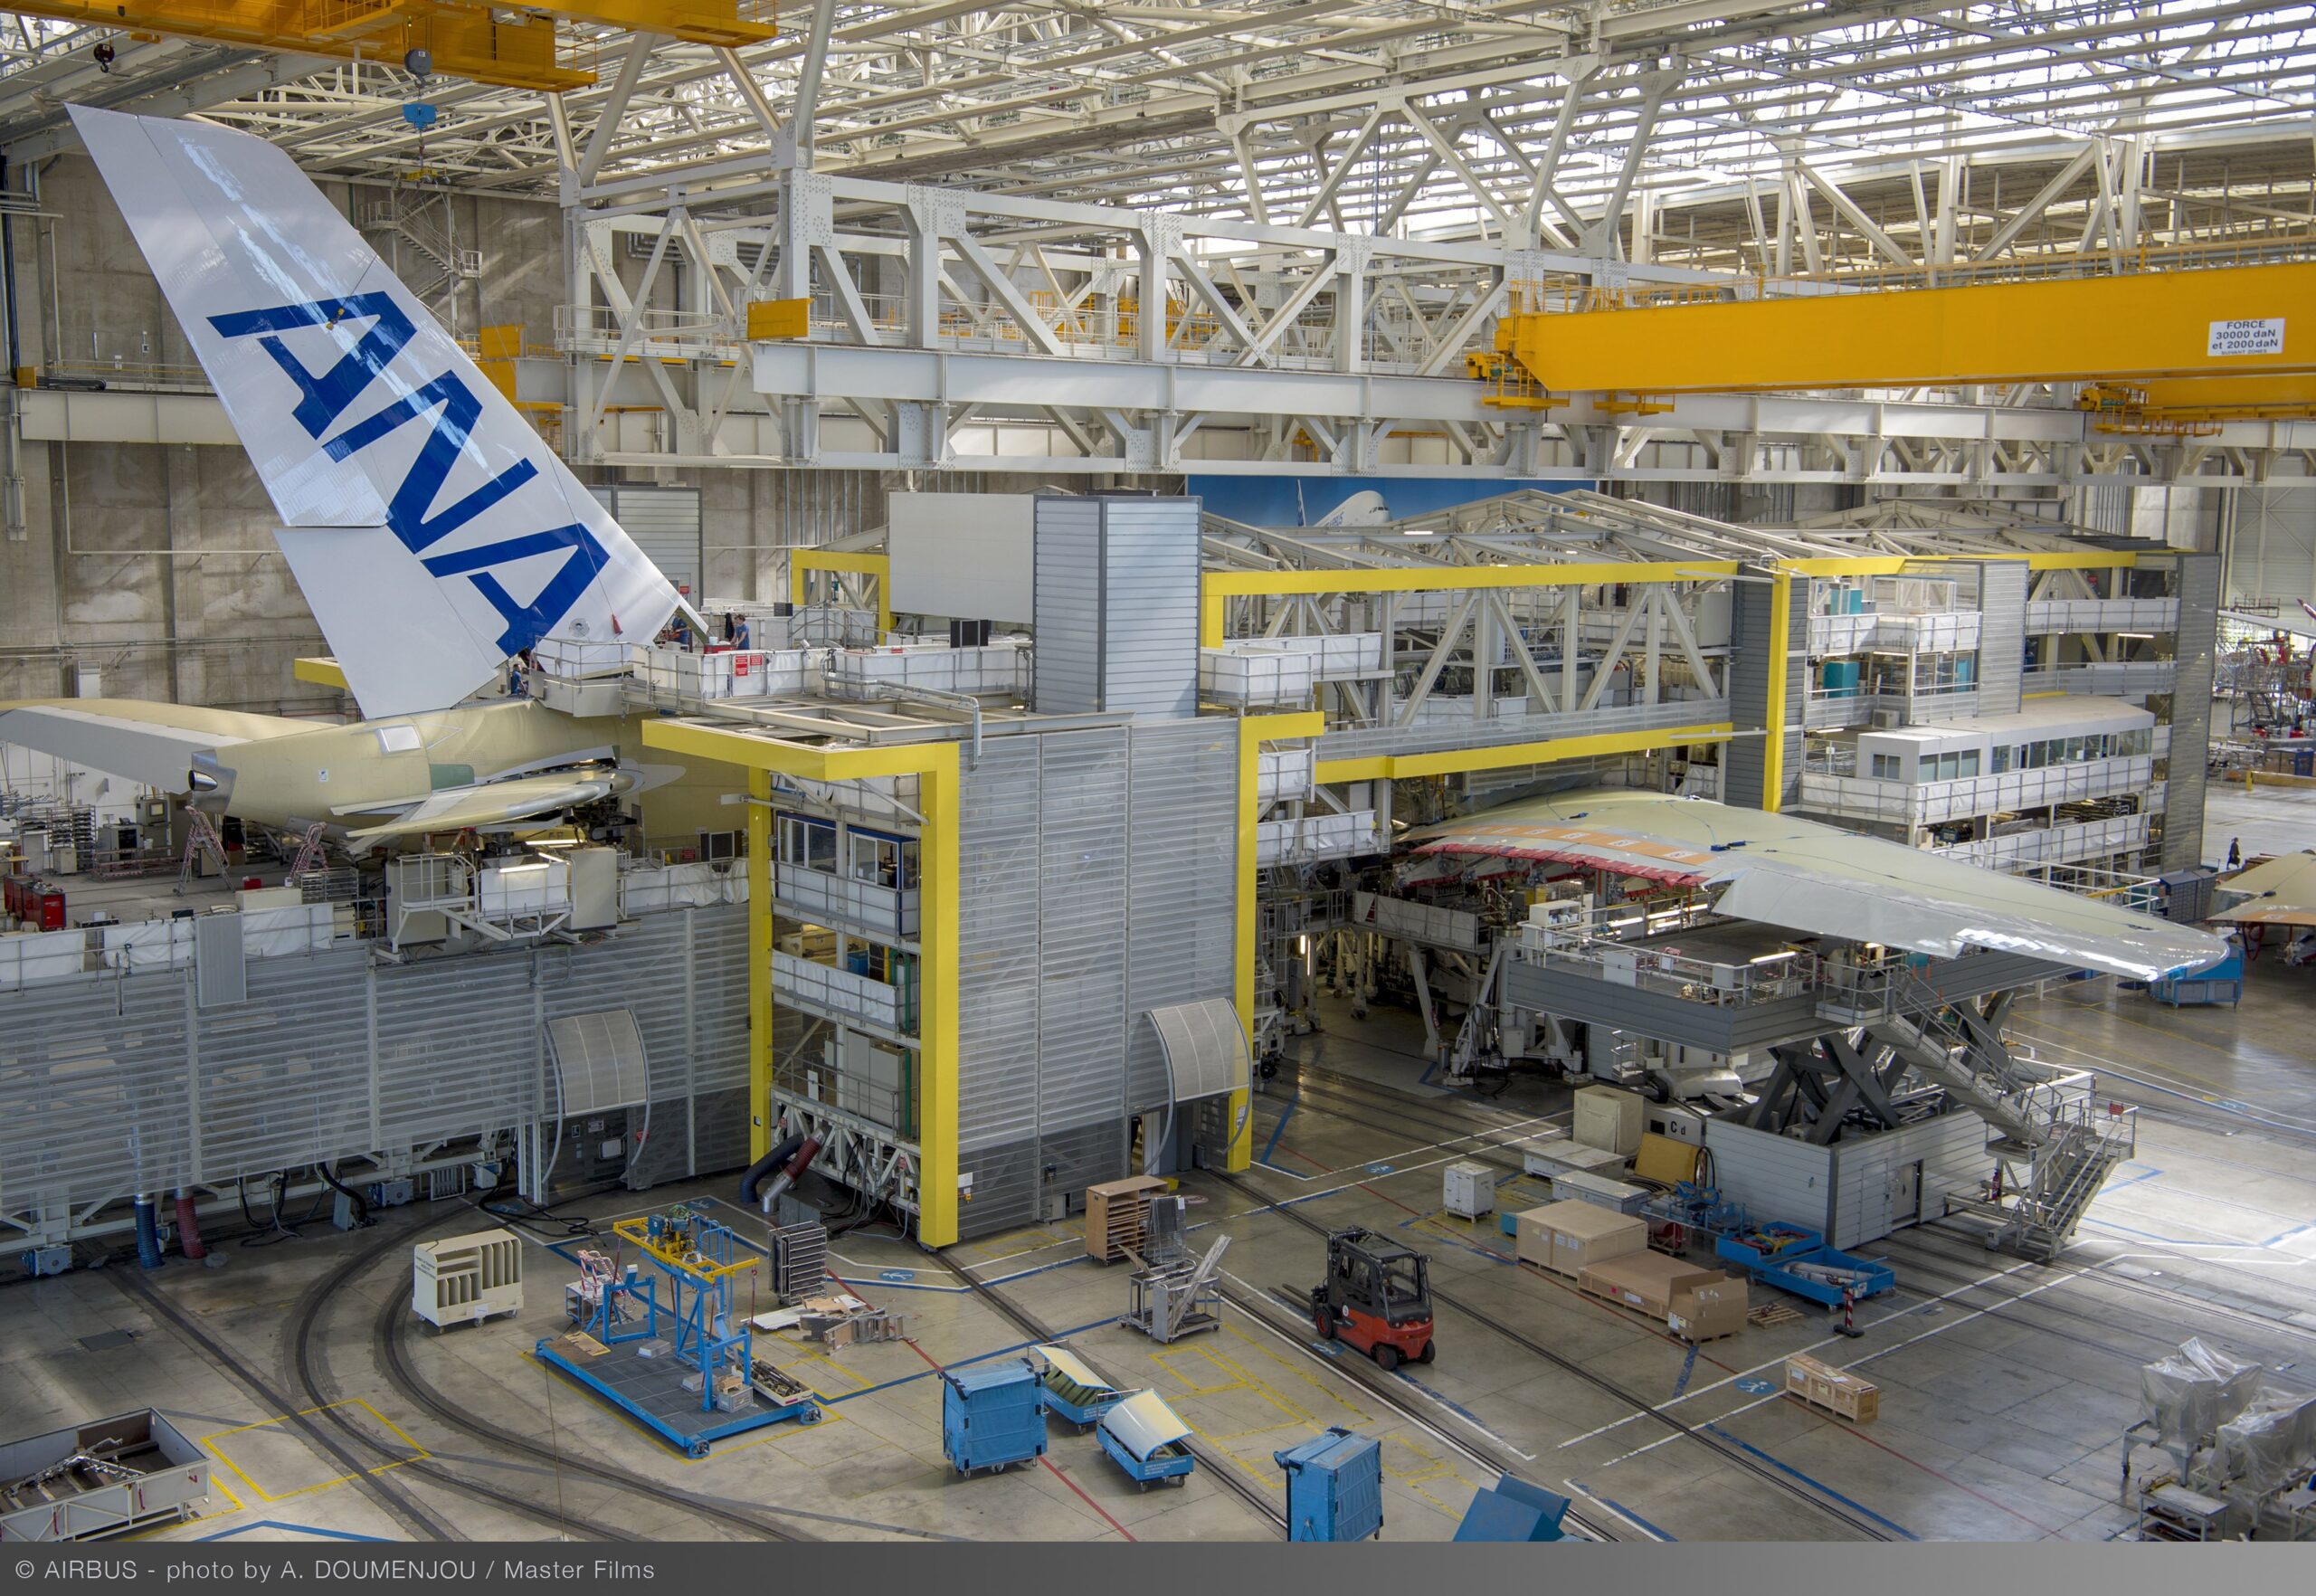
[760, 844]
[1254, 730]
[937, 1195]
[1780, 643]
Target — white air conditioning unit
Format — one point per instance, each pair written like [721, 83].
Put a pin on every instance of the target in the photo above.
[1889, 719]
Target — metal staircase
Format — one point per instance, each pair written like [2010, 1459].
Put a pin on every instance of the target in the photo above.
[2054, 1145]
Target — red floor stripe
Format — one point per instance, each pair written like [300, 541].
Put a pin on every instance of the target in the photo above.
[1082, 1497]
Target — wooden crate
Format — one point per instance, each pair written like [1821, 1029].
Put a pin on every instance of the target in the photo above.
[1837, 1391]
[1117, 1216]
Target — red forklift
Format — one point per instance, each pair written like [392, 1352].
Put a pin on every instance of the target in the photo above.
[1376, 1298]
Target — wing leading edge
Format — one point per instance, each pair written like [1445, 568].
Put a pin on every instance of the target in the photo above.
[1822, 880]
[484, 804]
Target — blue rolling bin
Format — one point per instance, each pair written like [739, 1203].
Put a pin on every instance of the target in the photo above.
[992, 1416]
[1334, 1487]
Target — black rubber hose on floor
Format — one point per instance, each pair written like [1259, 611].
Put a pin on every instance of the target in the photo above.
[763, 1167]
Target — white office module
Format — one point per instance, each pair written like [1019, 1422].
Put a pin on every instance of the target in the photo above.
[464, 1277]
[1116, 602]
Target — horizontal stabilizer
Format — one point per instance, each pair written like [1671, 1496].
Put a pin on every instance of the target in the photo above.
[496, 803]
[361, 414]
[151, 744]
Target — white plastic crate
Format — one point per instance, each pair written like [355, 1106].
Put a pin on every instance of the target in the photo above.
[1470, 1190]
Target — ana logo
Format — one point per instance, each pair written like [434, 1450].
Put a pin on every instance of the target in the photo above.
[451, 410]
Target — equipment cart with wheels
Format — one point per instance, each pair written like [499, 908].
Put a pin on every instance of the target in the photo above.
[1144, 1437]
[1073, 1392]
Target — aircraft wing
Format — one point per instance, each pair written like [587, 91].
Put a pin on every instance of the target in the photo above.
[493, 803]
[152, 743]
[2283, 893]
[1819, 880]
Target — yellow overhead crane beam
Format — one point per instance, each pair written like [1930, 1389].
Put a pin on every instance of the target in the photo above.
[2173, 330]
[466, 38]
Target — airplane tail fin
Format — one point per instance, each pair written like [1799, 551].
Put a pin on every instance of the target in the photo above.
[430, 527]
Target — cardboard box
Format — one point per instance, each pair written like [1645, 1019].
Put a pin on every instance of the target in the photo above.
[1569, 1237]
[1703, 1313]
[1647, 1281]
[1610, 1119]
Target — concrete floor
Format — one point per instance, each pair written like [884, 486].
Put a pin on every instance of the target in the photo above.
[2005, 1385]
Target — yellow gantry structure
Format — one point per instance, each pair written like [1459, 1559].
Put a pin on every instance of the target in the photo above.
[2222, 322]
[509, 48]
[936, 767]
[803, 563]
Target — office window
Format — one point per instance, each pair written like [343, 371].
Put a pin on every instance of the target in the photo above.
[808, 843]
[1886, 768]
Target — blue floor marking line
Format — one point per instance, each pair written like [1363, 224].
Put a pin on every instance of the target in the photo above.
[976, 1358]
[1688, 1367]
[1812, 1484]
[1278, 1130]
[295, 1529]
[1621, 1510]
[1487, 1252]
[1464, 1413]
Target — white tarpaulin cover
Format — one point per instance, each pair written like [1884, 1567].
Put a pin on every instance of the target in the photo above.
[1817, 879]
[2191, 1392]
[2283, 893]
[1142, 1423]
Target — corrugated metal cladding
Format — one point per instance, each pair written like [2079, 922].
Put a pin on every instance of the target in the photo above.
[112, 1085]
[664, 522]
[1742, 761]
[1897, 1177]
[2002, 636]
[1116, 598]
[2193, 649]
[1099, 884]
[1775, 1177]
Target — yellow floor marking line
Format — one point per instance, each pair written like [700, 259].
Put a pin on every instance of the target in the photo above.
[210, 1443]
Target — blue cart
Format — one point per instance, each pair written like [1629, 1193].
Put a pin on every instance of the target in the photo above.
[1074, 1392]
[1145, 1438]
[992, 1417]
[1335, 1487]
[1796, 1258]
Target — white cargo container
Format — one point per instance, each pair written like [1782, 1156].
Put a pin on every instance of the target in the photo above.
[1470, 1190]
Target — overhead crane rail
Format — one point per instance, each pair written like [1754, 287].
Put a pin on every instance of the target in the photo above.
[463, 38]
[2192, 344]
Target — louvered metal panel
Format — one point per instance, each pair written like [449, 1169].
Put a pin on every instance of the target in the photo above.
[1151, 601]
[599, 1061]
[998, 966]
[1182, 883]
[93, 1090]
[219, 961]
[1067, 601]
[112, 1085]
[2193, 648]
[2002, 636]
[1081, 929]
[283, 1078]
[459, 1047]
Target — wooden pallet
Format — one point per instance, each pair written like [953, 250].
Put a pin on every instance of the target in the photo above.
[1774, 1312]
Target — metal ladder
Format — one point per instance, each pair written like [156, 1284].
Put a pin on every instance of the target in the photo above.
[201, 838]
